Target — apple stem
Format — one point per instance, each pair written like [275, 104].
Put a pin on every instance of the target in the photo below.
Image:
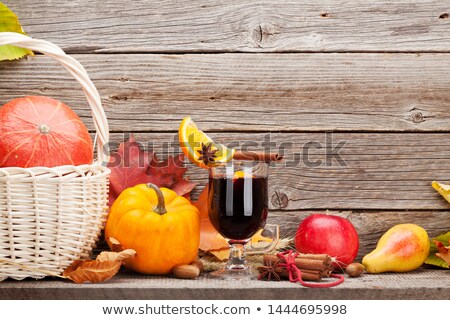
[339, 263]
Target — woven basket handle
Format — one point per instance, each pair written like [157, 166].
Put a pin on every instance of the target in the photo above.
[79, 73]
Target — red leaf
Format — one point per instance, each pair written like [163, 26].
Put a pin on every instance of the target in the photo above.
[130, 166]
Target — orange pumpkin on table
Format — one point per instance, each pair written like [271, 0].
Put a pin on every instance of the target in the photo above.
[162, 227]
[42, 132]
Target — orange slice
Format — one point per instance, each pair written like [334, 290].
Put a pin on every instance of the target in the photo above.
[242, 174]
[191, 141]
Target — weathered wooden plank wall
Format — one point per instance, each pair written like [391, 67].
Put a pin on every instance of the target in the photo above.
[253, 92]
[376, 73]
[246, 26]
[383, 171]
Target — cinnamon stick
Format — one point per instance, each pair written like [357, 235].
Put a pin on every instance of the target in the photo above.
[302, 263]
[312, 266]
[314, 256]
[257, 156]
[308, 275]
[326, 273]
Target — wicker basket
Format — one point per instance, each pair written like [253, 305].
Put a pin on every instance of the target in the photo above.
[50, 217]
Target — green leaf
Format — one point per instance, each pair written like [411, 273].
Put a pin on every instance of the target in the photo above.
[10, 23]
[432, 259]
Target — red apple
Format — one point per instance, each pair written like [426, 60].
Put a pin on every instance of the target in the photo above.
[333, 235]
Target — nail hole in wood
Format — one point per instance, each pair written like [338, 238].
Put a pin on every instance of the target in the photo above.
[325, 15]
[443, 16]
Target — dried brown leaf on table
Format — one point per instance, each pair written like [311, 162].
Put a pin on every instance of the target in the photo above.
[103, 268]
[91, 271]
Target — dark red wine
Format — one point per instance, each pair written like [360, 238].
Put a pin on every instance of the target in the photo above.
[238, 207]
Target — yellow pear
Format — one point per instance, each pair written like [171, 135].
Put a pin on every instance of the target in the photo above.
[402, 248]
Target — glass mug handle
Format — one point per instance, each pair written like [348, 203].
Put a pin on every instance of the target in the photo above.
[271, 233]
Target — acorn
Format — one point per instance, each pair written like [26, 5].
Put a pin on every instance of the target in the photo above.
[355, 269]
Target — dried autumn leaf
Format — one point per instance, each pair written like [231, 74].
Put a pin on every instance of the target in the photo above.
[91, 271]
[131, 165]
[169, 173]
[115, 256]
[128, 165]
[210, 239]
[444, 251]
[103, 268]
[439, 251]
[221, 255]
[114, 244]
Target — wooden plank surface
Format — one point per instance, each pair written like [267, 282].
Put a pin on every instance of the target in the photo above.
[420, 284]
[250, 26]
[247, 92]
[381, 171]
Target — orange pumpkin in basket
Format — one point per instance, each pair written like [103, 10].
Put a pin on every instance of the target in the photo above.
[42, 132]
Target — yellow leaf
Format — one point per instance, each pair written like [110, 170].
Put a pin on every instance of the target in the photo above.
[258, 237]
[10, 23]
[443, 189]
[221, 255]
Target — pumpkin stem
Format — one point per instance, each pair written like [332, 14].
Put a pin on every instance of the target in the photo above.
[44, 128]
[160, 208]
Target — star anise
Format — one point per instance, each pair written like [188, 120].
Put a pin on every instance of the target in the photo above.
[207, 154]
[269, 271]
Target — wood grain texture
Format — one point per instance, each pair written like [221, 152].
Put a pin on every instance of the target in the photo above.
[391, 109]
[370, 225]
[250, 26]
[381, 171]
[248, 92]
[418, 285]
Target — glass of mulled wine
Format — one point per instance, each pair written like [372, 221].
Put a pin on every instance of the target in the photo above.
[238, 208]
